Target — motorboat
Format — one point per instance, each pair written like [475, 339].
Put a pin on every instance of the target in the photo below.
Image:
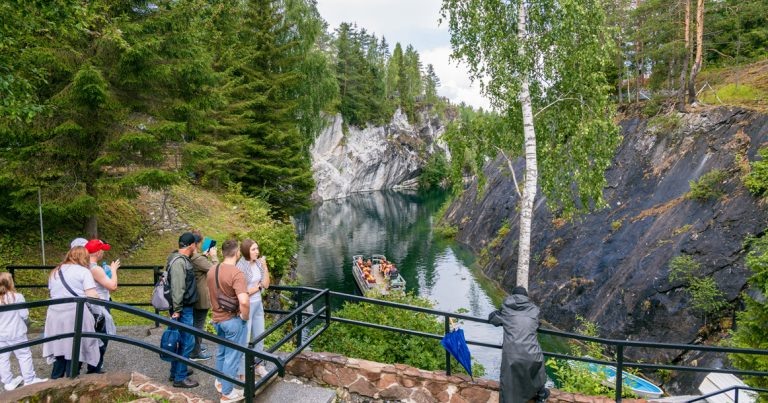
[375, 273]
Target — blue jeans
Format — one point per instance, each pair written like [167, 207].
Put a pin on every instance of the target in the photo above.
[186, 344]
[227, 359]
[255, 329]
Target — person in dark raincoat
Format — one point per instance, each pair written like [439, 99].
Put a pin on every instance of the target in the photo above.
[522, 362]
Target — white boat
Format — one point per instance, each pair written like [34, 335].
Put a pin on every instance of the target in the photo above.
[380, 275]
[639, 386]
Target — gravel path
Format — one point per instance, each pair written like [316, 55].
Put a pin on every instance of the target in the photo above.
[128, 358]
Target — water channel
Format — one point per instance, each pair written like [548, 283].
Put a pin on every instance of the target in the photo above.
[398, 225]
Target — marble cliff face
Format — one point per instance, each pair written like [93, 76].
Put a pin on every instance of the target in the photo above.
[374, 157]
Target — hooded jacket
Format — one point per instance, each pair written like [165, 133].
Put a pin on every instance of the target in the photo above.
[522, 362]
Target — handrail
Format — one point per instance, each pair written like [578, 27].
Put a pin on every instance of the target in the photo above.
[298, 316]
[728, 389]
[250, 385]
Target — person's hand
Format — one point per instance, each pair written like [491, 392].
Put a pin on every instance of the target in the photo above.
[176, 315]
[115, 265]
[263, 260]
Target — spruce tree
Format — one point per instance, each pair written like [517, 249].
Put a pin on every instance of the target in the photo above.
[261, 144]
[751, 330]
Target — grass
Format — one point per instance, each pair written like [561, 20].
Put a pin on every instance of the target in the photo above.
[745, 85]
[196, 207]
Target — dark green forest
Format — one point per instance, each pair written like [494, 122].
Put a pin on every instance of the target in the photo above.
[99, 99]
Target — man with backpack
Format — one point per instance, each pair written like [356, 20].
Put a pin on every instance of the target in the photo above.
[183, 293]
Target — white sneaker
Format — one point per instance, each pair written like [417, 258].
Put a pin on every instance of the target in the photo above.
[217, 385]
[235, 396]
[36, 380]
[261, 371]
[14, 383]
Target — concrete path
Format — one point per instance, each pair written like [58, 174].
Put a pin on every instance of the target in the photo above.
[127, 358]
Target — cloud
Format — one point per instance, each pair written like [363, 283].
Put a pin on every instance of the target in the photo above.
[412, 22]
[454, 78]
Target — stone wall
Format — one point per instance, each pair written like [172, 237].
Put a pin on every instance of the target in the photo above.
[361, 380]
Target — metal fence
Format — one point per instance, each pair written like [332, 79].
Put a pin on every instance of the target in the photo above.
[318, 307]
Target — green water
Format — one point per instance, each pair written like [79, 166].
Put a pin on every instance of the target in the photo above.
[399, 225]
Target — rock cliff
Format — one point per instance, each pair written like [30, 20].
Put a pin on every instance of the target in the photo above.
[611, 266]
[372, 158]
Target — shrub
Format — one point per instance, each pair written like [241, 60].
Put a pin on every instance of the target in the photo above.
[709, 186]
[616, 225]
[757, 179]
[706, 297]
[436, 173]
[387, 346]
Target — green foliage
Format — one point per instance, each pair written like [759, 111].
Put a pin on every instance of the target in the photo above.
[751, 331]
[733, 93]
[736, 31]
[565, 64]
[706, 297]
[616, 225]
[384, 346]
[708, 186]
[277, 239]
[757, 179]
[574, 376]
[665, 123]
[501, 234]
[436, 173]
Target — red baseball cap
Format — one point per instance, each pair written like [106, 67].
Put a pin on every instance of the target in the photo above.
[95, 245]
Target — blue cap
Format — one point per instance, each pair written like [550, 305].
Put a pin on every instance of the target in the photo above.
[207, 244]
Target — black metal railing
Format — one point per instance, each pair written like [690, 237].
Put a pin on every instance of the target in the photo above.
[249, 384]
[619, 346]
[305, 313]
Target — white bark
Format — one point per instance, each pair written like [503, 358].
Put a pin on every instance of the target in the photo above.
[531, 170]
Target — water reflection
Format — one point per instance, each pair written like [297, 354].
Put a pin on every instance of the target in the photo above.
[399, 225]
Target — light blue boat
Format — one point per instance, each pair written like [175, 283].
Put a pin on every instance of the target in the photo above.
[637, 385]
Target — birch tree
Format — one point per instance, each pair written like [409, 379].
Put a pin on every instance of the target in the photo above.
[542, 64]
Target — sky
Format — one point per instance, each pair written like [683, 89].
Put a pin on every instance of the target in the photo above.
[412, 22]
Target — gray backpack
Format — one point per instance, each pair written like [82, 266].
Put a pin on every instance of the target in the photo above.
[161, 295]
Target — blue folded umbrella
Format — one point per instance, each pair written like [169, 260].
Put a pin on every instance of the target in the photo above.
[455, 343]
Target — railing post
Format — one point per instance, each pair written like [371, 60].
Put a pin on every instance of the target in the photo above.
[619, 371]
[298, 320]
[12, 270]
[74, 364]
[250, 376]
[447, 354]
[156, 278]
[327, 307]
[736, 398]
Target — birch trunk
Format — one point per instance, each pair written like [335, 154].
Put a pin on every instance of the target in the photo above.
[531, 171]
[699, 51]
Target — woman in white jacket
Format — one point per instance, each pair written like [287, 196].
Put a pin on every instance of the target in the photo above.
[13, 331]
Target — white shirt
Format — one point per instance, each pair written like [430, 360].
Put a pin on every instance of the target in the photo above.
[78, 278]
[100, 289]
[253, 275]
[12, 324]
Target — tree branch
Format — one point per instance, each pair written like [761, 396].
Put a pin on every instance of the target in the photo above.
[554, 102]
[511, 169]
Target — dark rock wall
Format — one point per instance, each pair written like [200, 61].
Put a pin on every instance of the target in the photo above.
[611, 266]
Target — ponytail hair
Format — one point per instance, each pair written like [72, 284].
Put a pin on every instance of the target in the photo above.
[7, 288]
